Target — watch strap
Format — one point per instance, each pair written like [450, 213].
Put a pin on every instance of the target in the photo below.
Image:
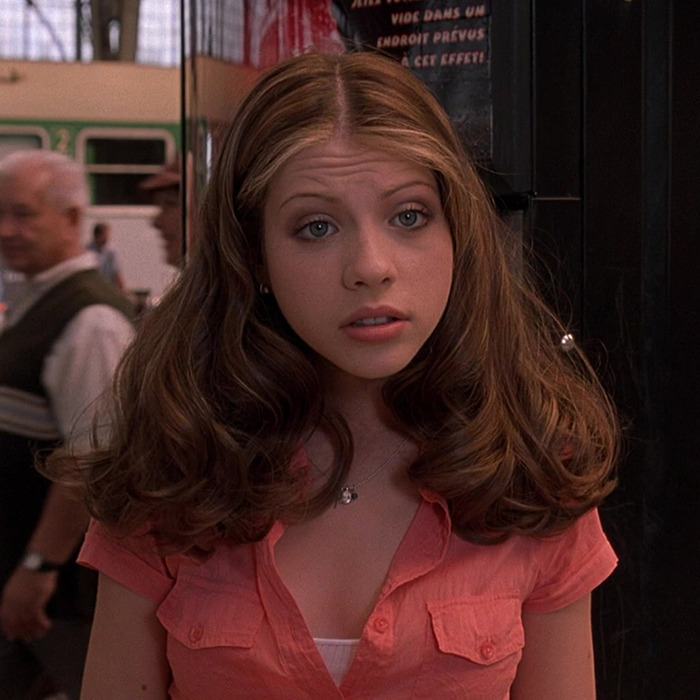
[36, 562]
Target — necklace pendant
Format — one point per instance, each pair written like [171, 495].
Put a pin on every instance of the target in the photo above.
[347, 495]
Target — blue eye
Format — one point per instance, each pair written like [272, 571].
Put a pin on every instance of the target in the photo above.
[316, 230]
[410, 218]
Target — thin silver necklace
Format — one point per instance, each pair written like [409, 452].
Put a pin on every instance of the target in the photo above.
[348, 493]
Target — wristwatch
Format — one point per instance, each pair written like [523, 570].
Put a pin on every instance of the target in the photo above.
[36, 562]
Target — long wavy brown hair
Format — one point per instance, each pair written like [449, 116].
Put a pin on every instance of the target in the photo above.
[217, 394]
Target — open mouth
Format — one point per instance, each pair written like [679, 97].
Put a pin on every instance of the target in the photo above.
[376, 321]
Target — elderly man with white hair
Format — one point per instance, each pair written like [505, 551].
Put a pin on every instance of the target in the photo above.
[64, 332]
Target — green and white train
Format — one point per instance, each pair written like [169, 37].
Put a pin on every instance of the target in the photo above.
[122, 121]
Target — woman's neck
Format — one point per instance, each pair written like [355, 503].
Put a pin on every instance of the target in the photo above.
[360, 402]
[376, 435]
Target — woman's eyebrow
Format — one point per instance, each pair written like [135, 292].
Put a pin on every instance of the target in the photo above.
[405, 185]
[310, 195]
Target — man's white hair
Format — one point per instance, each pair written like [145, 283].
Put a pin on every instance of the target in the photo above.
[66, 184]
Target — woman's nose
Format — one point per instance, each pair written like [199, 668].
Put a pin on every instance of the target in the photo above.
[369, 259]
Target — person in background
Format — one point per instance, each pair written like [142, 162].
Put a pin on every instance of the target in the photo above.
[108, 262]
[164, 191]
[348, 457]
[64, 331]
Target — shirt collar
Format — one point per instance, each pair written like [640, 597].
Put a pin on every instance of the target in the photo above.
[425, 544]
[25, 291]
[57, 273]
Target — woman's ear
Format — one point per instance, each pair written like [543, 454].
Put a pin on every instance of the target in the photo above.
[263, 280]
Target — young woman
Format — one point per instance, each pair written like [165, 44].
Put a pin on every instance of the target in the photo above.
[349, 458]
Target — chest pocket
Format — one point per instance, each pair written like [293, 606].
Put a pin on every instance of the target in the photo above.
[482, 629]
[203, 614]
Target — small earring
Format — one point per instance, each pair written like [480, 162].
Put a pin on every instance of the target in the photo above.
[264, 289]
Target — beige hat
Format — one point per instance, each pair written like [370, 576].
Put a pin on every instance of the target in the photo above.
[169, 176]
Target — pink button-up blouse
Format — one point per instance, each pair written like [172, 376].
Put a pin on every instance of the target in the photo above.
[447, 623]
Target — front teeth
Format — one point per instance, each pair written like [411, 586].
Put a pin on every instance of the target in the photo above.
[378, 321]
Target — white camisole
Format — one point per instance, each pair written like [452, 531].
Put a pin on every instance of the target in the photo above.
[337, 655]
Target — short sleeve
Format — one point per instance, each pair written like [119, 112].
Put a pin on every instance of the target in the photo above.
[572, 564]
[129, 561]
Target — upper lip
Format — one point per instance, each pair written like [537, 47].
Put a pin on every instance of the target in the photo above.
[373, 312]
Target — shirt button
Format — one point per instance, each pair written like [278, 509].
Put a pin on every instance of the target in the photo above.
[487, 650]
[381, 624]
[196, 632]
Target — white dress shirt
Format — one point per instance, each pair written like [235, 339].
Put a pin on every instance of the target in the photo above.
[79, 369]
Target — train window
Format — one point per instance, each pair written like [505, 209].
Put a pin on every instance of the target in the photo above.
[125, 151]
[109, 189]
[116, 162]
[11, 141]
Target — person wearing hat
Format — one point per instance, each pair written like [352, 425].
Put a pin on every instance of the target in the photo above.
[164, 191]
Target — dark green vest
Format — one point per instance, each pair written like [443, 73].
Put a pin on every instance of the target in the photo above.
[23, 349]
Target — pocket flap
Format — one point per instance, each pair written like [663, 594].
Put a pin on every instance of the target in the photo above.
[483, 629]
[202, 614]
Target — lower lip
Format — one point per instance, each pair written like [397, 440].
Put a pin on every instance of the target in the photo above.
[376, 334]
